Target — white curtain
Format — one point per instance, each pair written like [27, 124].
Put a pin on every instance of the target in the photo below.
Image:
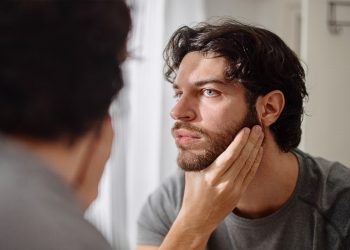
[144, 152]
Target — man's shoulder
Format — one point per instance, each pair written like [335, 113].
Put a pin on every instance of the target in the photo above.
[44, 220]
[41, 227]
[326, 190]
[36, 203]
[325, 172]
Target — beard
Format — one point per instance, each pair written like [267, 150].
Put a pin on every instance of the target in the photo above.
[194, 158]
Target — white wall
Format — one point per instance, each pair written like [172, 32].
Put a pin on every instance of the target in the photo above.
[328, 58]
[278, 16]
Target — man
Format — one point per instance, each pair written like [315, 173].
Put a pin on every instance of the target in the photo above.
[228, 76]
[60, 70]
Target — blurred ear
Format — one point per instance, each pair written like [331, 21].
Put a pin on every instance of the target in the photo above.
[269, 107]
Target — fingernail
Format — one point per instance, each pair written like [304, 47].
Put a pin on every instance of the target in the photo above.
[246, 131]
[257, 130]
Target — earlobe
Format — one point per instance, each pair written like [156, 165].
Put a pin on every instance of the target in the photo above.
[270, 107]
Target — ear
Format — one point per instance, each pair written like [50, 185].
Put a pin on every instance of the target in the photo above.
[270, 107]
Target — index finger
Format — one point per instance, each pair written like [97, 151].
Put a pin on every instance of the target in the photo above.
[225, 160]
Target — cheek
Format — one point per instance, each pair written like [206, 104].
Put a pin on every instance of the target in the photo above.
[106, 141]
[102, 152]
[215, 118]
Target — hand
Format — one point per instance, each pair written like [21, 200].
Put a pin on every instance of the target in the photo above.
[211, 194]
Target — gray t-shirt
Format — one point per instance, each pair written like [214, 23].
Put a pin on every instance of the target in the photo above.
[316, 216]
[38, 211]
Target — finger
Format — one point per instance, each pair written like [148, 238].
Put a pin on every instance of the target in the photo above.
[254, 142]
[250, 145]
[252, 157]
[251, 174]
[225, 160]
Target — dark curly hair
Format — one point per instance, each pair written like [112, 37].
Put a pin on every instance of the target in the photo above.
[256, 58]
[59, 65]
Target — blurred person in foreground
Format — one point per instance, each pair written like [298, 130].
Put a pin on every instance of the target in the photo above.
[228, 76]
[59, 72]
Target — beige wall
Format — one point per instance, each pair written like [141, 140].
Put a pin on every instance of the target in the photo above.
[327, 130]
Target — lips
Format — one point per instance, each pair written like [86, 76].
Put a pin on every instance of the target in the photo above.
[184, 136]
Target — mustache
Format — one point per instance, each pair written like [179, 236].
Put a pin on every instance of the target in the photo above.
[183, 125]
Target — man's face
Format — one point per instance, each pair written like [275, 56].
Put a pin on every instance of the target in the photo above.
[209, 112]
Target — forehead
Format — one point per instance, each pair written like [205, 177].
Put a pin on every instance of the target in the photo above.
[197, 66]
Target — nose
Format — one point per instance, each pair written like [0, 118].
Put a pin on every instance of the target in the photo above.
[183, 110]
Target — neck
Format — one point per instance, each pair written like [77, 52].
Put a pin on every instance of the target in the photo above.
[273, 184]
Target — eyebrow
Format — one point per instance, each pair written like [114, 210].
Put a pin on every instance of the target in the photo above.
[203, 82]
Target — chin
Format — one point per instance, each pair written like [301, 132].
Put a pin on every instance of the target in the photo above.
[196, 160]
[191, 162]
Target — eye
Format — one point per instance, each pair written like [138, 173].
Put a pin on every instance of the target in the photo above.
[177, 95]
[210, 92]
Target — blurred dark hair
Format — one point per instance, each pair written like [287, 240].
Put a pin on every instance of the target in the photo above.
[59, 65]
[257, 58]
